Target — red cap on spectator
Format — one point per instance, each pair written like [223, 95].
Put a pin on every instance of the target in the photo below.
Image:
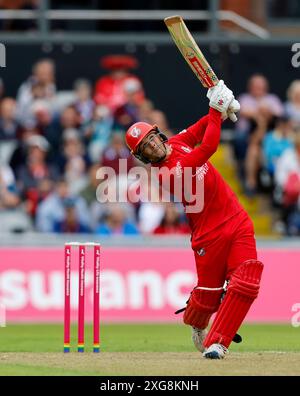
[113, 62]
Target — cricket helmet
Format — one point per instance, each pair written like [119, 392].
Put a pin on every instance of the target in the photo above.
[136, 133]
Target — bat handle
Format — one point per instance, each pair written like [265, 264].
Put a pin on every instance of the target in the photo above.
[232, 117]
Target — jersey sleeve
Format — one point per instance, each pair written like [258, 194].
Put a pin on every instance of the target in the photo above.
[209, 145]
[194, 133]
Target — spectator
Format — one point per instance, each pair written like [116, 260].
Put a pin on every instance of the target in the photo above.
[288, 163]
[70, 118]
[70, 223]
[115, 151]
[35, 169]
[171, 223]
[84, 103]
[52, 211]
[19, 155]
[292, 106]
[98, 132]
[109, 89]
[145, 110]
[12, 216]
[9, 197]
[36, 195]
[287, 178]
[276, 142]
[8, 122]
[41, 85]
[8, 129]
[74, 162]
[116, 223]
[254, 157]
[98, 195]
[128, 113]
[47, 125]
[258, 109]
[293, 222]
[42, 114]
[291, 204]
[88, 193]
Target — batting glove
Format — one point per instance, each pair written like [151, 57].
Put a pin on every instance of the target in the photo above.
[233, 108]
[220, 97]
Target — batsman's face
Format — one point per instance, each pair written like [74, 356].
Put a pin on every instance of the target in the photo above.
[153, 148]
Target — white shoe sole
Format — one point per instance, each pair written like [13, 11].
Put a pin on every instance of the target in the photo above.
[212, 355]
[215, 351]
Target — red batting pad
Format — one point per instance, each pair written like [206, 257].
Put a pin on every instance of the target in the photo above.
[201, 305]
[242, 290]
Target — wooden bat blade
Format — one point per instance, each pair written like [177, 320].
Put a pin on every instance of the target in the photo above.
[190, 51]
[173, 19]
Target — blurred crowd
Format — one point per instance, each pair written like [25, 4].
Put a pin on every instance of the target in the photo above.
[53, 144]
[267, 148]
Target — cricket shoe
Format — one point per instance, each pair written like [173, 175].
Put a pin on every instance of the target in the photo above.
[198, 336]
[215, 351]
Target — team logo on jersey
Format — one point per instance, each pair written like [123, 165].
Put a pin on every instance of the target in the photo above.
[201, 252]
[135, 132]
[186, 149]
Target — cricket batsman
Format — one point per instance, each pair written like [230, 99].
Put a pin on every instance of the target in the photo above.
[222, 233]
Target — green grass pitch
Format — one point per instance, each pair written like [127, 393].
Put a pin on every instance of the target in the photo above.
[36, 349]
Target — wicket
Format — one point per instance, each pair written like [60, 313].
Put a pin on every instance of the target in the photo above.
[81, 295]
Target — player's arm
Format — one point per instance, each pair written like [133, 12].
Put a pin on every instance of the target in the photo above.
[209, 144]
[220, 99]
[194, 133]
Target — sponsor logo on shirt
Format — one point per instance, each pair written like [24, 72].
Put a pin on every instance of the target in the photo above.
[186, 149]
[201, 172]
[182, 132]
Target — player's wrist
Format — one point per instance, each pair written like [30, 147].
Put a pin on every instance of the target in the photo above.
[215, 113]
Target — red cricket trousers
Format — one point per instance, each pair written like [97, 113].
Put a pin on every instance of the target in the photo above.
[222, 250]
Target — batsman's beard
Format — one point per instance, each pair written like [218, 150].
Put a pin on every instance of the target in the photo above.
[154, 151]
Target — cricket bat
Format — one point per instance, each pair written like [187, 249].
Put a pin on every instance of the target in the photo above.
[190, 51]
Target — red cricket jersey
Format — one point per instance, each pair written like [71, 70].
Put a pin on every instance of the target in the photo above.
[219, 201]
